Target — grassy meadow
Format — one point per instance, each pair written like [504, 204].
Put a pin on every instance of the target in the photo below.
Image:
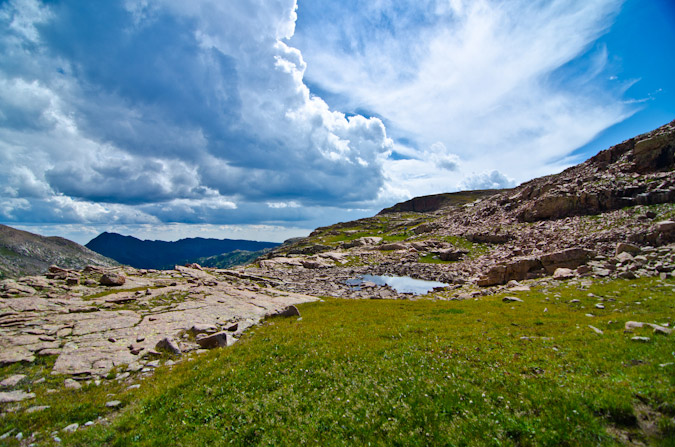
[405, 373]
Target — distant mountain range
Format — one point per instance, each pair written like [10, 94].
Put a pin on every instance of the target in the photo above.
[23, 253]
[162, 254]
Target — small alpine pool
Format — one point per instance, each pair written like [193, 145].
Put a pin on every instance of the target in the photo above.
[402, 284]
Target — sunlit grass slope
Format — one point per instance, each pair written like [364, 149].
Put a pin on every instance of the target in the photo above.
[424, 372]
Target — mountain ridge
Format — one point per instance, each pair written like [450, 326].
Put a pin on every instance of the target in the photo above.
[165, 254]
[23, 253]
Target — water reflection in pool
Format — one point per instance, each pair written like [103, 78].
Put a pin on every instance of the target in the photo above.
[402, 284]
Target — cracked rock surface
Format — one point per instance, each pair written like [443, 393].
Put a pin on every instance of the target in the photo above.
[93, 329]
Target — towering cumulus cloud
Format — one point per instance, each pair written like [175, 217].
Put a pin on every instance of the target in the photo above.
[143, 111]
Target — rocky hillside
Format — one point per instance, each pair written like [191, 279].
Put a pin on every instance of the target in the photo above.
[138, 253]
[434, 202]
[611, 216]
[23, 253]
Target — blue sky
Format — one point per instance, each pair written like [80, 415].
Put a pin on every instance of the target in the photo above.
[263, 119]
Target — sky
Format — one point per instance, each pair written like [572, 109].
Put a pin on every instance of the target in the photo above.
[264, 119]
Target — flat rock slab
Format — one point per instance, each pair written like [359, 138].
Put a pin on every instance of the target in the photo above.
[15, 355]
[92, 357]
[15, 396]
[12, 380]
[91, 340]
[103, 321]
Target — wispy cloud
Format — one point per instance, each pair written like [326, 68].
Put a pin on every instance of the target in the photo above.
[510, 86]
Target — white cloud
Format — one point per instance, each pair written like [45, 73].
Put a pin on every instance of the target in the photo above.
[515, 86]
[150, 111]
[486, 180]
[277, 205]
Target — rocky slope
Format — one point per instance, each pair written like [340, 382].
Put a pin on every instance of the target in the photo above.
[23, 253]
[434, 202]
[97, 319]
[611, 216]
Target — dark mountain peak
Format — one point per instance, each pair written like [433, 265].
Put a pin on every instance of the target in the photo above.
[165, 254]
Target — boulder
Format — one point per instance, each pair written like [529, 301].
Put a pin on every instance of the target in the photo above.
[496, 275]
[630, 325]
[112, 279]
[168, 344]
[72, 384]
[288, 311]
[665, 226]
[71, 428]
[73, 280]
[570, 258]
[56, 272]
[217, 340]
[313, 264]
[563, 273]
[519, 269]
[11, 287]
[624, 257]
[654, 153]
[424, 228]
[449, 254]
[623, 247]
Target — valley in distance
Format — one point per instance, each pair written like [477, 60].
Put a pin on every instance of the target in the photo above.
[553, 325]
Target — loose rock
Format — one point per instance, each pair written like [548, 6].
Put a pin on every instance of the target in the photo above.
[12, 380]
[112, 279]
[15, 396]
[218, 340]
[168, 344]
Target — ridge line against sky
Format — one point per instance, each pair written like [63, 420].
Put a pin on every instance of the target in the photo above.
[264, 119]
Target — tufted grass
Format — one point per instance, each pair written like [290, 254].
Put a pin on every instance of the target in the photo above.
[408, 373]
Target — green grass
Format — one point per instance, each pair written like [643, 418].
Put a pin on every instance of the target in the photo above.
[425, 372]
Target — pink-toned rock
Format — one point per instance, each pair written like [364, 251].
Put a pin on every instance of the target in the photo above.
[623, 247]
[112, 279]
[563, 273]
[168, 344]
[570, 258]
[288, 311]
[15, 396]
[665, 226]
